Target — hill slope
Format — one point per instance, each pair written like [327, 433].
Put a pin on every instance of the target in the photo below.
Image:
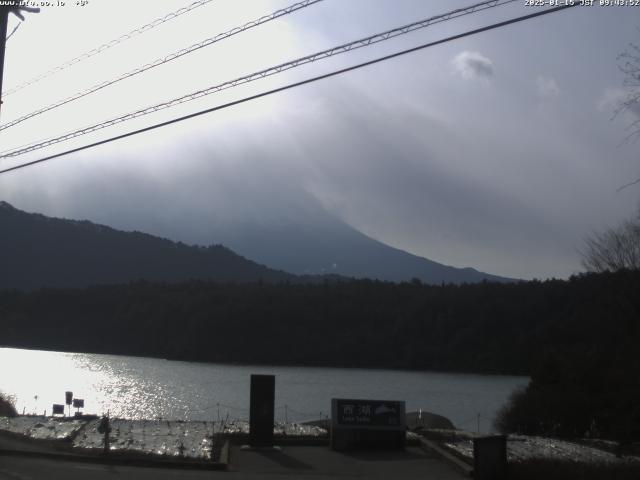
[328, 245]
[37, 251]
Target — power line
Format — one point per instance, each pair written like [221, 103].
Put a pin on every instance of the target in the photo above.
[161, 61]
[95, 51]
[360, 43]
[296, 84]
[15, 29]
[24, 145]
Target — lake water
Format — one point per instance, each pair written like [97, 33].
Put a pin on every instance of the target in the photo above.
[137, 388]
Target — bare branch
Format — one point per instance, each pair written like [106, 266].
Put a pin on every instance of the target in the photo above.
[614, 249]
[635, 182]
[630, 66]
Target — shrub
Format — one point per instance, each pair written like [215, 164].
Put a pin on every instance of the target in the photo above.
[6, 407]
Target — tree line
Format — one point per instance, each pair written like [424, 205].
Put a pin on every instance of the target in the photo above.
[576, 338]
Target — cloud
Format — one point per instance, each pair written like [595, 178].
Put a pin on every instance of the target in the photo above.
[459, 177]
[547, 87]
[472, 65]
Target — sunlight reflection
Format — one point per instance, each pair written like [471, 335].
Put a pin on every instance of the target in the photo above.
[38, 379]
[150, 388]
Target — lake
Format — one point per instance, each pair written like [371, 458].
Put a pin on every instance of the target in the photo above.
[137, 388]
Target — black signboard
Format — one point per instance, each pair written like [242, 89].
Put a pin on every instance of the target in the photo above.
[378, 413]
[261, 410]
[68, 397]
[58, 409]
[78, 403]
[371, 424]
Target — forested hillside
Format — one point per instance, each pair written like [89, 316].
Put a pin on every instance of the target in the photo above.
[38, 251]
[483, 327]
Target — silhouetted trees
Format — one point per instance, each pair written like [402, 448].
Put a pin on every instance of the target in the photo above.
[584, 381]
[577, 339]
[615, 248]
[6, 407]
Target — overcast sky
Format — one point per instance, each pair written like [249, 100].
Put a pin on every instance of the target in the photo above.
[497, 151]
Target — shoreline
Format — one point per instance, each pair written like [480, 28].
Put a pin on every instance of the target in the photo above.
[275, 365]
[82, 444]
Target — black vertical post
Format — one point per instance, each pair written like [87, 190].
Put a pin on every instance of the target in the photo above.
[490, 458]
[4, 20]
[261, 410]
[107, 430]
[104, 427]
[17, 9]
[68, 400]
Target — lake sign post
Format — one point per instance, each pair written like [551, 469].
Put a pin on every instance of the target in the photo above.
[261, 410]
[379, 424]
[68, 396]
[490, 458]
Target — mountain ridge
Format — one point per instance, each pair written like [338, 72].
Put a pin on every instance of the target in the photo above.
[79, 253]
[336, 247]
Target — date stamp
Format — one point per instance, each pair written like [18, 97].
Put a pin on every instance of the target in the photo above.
[619, 3]
[47, 3]
[584, 3]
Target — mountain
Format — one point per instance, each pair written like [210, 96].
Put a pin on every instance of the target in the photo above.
[37, 251]
[328, 245]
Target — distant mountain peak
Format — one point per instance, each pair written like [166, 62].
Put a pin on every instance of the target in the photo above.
[332, 246]
[37, 251]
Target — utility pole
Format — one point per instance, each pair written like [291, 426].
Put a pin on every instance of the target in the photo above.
[4, 20]
[6, 8]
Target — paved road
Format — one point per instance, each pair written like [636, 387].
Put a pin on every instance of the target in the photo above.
[25, 468]
[16, 443]
[321, 462]
[305, 463]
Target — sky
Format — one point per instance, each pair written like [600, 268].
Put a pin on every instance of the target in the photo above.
[499, 151]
